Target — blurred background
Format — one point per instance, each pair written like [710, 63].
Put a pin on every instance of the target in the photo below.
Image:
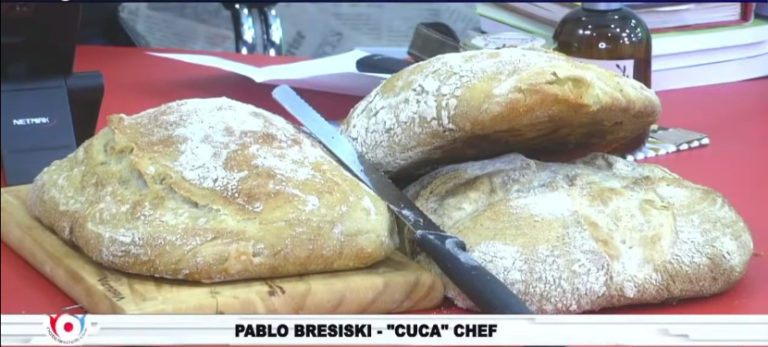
[308, 29]
[693, 43]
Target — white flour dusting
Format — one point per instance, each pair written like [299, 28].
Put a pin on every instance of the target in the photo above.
[311, 202]
[212, 135]
[548, 204]
[613, 237]
[554, 279]
[290, 162]
[207, 140]
[368, 204]
[416, 107]
[140, 207]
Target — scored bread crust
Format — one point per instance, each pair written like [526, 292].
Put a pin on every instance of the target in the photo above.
[480, 104]
[599, 232]
[211, 190]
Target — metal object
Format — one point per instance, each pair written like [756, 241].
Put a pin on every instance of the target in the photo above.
[377, 63]
[72, 307]
[257, 28]
[448, 251]
[432, 39]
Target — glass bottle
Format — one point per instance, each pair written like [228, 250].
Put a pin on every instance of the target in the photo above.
[609, 35]
[607, 32]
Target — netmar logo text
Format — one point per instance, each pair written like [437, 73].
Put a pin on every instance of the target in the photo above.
[32, 121]
[67, 328]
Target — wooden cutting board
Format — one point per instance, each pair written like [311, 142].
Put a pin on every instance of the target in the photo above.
[394, 285]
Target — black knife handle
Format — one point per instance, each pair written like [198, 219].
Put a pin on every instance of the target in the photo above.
[377, 63]
[487, 292]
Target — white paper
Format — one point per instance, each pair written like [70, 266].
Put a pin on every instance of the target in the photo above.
[336, 74]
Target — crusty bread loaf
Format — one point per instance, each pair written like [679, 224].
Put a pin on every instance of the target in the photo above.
[600, 232]
[211, 190]
[480, 104]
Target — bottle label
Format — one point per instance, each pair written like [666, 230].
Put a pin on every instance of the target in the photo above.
[625, 67]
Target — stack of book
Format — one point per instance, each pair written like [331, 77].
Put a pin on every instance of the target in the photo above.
[693, 44]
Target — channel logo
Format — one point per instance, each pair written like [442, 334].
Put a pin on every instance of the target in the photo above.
[66, 328]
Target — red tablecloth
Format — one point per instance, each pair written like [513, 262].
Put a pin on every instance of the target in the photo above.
[735, 116]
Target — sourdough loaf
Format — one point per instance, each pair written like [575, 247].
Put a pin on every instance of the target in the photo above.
[211, 190]
[479, 104]
[600, 232]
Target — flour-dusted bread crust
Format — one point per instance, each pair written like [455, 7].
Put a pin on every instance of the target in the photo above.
[600, 232]
[211, 190]
[480, 104]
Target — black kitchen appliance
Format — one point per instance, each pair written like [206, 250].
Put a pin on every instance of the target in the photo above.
[47, 109]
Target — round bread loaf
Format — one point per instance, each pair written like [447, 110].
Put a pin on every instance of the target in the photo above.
[479, 104]
[600, 232]
[211, 190]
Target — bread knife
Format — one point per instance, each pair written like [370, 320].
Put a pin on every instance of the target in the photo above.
[449, 252]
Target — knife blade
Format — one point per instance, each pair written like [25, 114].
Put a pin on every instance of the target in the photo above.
[449, 252]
